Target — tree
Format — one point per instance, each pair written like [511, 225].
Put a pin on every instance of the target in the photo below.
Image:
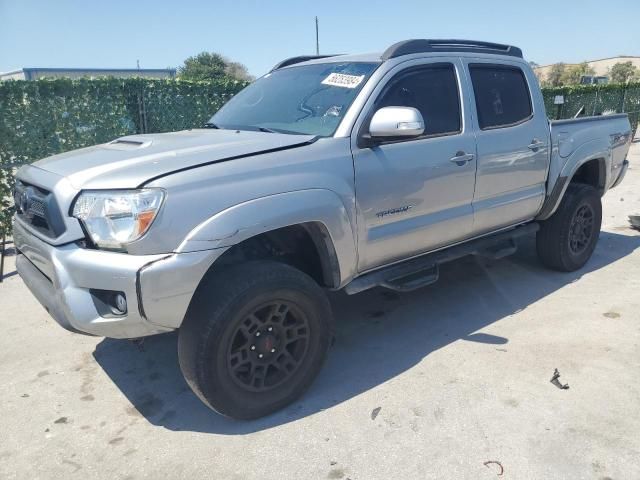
[622, 72]
[536, 71]
[212, 66]
[555, 74]
[572, 74]
[238, 71]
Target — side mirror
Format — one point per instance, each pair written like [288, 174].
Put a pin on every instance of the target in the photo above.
[396, 122]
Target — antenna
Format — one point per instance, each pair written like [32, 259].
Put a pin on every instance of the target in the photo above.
[317, 39]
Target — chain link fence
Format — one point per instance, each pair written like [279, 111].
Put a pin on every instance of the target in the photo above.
[585, 100]
[45, 117]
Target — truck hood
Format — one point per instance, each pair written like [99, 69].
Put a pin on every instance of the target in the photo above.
[130, 161]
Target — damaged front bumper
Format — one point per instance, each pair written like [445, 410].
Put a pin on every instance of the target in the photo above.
[65, 279]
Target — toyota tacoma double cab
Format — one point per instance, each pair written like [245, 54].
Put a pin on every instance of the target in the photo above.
[339, 172]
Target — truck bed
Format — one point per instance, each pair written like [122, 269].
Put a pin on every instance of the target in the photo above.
[605, 136]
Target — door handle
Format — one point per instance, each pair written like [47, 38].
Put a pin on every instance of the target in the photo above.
[535, 144]
[461, 158]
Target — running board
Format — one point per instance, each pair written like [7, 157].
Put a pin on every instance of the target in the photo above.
[424, 270]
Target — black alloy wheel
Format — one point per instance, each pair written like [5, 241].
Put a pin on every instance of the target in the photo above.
[268, 346]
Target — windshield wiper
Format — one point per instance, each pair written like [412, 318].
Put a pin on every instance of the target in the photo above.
[256, 128]
[275, 130]
[267, 130]
[211, 125]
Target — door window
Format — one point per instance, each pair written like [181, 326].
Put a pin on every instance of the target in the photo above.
[502, 95]
[433, 91]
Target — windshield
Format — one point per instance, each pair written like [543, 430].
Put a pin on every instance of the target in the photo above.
[309, 99]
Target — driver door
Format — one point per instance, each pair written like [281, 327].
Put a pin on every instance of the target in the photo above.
[415, 195]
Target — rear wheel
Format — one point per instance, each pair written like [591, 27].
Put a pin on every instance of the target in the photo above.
[254, 338]
[567, 239]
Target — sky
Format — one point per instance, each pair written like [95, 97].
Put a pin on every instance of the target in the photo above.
[162, 33]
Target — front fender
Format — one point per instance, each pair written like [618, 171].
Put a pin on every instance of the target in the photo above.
[245, 220]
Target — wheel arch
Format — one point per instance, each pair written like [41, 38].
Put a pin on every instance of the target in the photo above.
[315, 217]
[592, 170]
[306, 246]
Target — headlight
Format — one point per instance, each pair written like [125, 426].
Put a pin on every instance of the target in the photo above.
[118, 217]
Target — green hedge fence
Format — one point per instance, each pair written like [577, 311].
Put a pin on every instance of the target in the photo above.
[594, 100]
[45, 117]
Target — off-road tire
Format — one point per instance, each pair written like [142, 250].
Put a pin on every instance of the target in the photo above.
[216, 323]
[556, 240]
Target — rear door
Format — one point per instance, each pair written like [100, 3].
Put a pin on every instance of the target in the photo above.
[512, 143]
[415, 195]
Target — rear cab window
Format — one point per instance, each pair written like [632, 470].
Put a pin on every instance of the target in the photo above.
[502, 95]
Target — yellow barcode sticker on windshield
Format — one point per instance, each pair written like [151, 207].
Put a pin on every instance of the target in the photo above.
[343, 80]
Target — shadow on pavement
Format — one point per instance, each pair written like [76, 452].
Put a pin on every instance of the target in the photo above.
[9, 274]
[380, 334]
[4, 255]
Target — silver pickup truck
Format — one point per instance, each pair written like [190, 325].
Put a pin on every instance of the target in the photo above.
[340, 172]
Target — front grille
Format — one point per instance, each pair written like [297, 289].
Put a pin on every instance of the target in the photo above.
[38, 208]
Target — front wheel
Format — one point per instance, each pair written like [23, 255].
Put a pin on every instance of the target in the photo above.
[567, 239]
[254, 338]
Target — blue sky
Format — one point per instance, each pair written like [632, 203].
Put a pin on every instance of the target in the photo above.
[162, 33]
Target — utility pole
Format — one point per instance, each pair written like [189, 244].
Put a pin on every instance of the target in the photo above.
[317, 39]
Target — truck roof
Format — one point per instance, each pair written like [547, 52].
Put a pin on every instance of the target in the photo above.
[409, 47]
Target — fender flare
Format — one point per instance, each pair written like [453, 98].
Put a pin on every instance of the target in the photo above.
[583, 154]
[254, 217]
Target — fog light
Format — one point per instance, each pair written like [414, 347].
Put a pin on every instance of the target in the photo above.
[119, 306]
[109, 302]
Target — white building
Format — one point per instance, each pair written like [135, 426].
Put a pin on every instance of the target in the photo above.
[37, 73]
